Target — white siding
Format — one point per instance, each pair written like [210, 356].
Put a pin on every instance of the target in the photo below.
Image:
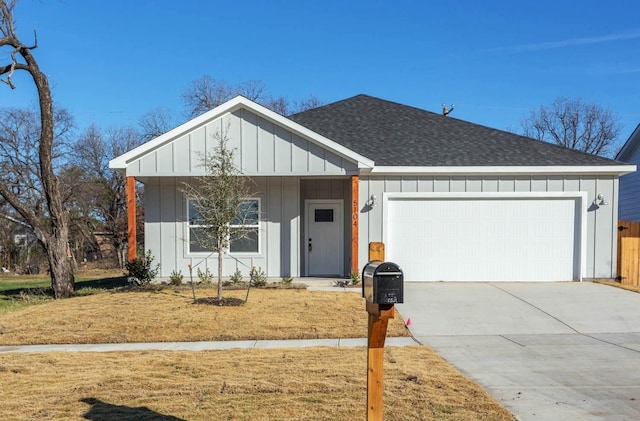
[261, 148]
[601, 247]
[166, 229]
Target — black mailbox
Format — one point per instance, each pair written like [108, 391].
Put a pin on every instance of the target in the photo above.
[382, 283]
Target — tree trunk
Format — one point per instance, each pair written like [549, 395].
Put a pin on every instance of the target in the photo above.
[219, 275]
[53, 229]
[62, 279]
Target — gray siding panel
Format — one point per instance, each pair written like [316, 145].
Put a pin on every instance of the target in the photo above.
[266, 147]
[474, 184]
[164, 159]
[166, 229]
[196, 147]
[249, 142]
[604, 224]
[260, 148]
[290, 227]
[601, 234]
[282, 151]
[273, 224]
[152, 218]
[630, 191]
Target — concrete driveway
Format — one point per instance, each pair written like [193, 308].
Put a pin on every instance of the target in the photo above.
[546, 351]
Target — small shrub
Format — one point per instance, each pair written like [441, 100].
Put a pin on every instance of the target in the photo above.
[355, 277]
[206, 277]
[236, 278]
[286, 280]
[257, 277]
[176, 277]
[140, 270]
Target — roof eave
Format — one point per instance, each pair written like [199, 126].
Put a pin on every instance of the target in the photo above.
[618, 170]
[121, 162]
[629, 146]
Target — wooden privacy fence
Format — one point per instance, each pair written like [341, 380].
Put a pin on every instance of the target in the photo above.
[628, 265]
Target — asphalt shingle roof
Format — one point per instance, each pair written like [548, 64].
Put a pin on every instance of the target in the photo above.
[393, 134]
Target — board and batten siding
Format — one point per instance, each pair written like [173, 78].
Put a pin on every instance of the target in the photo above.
[260, 146]
[630, 191]
[601, 247]
[166, 229]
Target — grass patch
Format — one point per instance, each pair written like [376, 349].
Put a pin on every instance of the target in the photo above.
[10, 282]
[17, 291]
[243, 384]
[251, 384]
[167, 314]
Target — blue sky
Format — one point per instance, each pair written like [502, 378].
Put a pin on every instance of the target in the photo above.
[109, 62]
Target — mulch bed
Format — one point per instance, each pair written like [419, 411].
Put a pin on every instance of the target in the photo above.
[224, 301]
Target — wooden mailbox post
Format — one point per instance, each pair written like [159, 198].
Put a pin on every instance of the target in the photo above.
[379, 315]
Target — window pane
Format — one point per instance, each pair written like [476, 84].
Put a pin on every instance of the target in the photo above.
[194, 245]
[244, 241]
[249, 213]
[324, 215]
[194, 215]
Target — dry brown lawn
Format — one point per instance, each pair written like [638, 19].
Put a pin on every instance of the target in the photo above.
[253, 384]
[243, 384]
[169, 315]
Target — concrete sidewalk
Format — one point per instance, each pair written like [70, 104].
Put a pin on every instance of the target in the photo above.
[547, 351]
[201, 346]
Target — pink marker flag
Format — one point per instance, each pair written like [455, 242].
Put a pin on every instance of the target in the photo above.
[408, 323]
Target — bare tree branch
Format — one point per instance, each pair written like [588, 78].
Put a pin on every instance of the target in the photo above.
[54, 234]
[574, 124]
[219, 199]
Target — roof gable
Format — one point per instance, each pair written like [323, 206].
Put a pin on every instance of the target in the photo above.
[628, 152]
[265, 142]
[397, 135]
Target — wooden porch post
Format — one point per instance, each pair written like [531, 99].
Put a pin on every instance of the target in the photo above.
[131, 217]
[354, 223]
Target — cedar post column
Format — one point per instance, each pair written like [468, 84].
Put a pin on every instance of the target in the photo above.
[131, 217]
[354, 223]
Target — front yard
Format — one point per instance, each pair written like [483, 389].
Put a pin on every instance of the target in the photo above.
[251, 384]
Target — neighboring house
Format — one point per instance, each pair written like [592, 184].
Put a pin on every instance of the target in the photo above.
[451, 200]
[630, 184]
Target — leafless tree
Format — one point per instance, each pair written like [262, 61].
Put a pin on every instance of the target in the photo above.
[574, 124]
[105, 189]
[155, 123]
[52, 227]
[312, 101]
[219, 199]
[207, 93]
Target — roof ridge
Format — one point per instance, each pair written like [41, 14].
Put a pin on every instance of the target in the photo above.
[395, 134]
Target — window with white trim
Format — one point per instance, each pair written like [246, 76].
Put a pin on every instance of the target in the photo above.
[245, 229]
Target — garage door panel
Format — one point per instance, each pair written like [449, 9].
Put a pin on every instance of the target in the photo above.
[484, 239]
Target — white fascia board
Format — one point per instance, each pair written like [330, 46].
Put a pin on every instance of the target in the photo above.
[478, 170]
[121, 161]
[630, 145]
[228, 107]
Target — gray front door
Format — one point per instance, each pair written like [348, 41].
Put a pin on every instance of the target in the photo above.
[324, 238]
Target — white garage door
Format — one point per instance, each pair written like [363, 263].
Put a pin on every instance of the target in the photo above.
[484, 239]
